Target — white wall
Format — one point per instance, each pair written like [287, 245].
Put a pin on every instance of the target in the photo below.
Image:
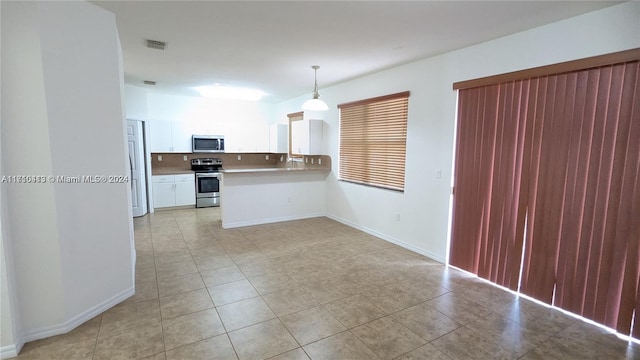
[25, 128]
[62, 114]
[424, 206]
[136, 107]
[7, 338]
[10, 344]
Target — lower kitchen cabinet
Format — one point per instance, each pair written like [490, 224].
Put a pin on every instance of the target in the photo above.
[173, 190]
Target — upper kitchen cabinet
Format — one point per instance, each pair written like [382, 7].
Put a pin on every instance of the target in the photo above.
[306, 137]
[181, 135]
[169, 136]
[279, 138]
[244, 138]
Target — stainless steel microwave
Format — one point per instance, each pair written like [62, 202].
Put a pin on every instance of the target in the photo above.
[207, 143]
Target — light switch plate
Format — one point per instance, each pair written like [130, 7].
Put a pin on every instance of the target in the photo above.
[184, 158]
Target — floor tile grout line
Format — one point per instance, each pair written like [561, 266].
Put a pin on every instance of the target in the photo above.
[262, 295]
[226, 332]
[95, 345]
[155, 271]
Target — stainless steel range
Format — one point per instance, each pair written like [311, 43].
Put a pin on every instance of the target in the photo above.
[207, 181]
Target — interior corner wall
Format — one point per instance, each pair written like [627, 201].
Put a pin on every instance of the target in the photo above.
[25, 128]
[62, 116]
[8, 346]
[10, 343]
[424, 206]
[83, 84]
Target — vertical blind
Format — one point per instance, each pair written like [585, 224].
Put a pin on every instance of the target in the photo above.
[560, 153]
[373, 134]
[488, 208]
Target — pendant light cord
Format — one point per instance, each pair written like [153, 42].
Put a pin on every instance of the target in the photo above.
[315, 81]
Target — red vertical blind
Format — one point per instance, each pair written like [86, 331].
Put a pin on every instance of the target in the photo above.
[488, 212]
[572, 170]
[584, 216]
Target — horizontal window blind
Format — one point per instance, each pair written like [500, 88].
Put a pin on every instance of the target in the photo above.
[373, 137]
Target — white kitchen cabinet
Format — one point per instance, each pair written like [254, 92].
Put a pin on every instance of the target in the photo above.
[306, 137]
[185, 189]
[173, 190]
[279, 138]
[163, 195]
[233, 138]
[181, 136]
[246, 138]
[160, 136]
[169, 136]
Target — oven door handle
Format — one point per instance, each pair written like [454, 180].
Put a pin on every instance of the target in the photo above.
[210, 175]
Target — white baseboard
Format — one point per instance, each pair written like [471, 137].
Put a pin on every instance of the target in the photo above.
[390, 239]
[9, 351]
[237, 224]
[77, 320]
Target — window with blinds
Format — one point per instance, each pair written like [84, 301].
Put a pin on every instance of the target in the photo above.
[373, 138]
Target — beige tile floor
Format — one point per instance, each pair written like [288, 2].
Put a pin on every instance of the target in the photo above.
[312, 289]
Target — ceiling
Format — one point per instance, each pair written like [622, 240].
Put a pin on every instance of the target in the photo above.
[271, 45]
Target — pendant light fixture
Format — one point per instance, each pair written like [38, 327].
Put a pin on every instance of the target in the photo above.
[315, 104]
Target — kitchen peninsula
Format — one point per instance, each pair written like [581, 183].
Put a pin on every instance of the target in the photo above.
[260, 196]
[260, 188]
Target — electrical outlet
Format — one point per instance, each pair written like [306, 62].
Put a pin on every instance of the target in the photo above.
[397, 216]
[281, 158]
[319, 161]
[159, 157]
[266, 157]
[184, 158]
[439, 174]
[311, 161]
[289, 199]
[239, 157]
[306, 160]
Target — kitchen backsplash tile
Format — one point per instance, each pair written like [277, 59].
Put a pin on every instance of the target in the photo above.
[181, 162]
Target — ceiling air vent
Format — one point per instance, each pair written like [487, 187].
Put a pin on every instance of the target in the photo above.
[149, 82]
[155, 44]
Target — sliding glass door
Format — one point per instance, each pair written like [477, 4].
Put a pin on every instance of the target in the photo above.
[547, 189]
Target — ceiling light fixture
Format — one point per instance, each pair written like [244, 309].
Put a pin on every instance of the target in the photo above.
[315, 104]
